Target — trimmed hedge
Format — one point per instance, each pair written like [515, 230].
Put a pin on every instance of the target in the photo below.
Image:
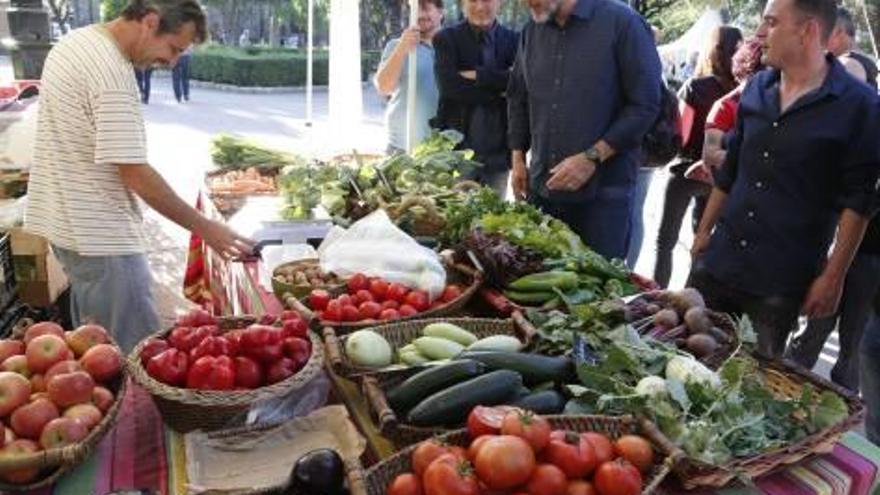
[266, 67]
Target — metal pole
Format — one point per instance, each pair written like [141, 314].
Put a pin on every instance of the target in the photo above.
[870, 29]
[309, 59]
[411, 82]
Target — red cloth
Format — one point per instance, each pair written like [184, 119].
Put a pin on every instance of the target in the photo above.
[722, 116]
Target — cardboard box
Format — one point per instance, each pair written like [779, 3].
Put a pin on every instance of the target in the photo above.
[38, 274]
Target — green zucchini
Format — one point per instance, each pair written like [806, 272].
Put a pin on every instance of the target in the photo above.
[544, 402]
[452, 406]
[534, 368]
[529, 297]
[434, 379]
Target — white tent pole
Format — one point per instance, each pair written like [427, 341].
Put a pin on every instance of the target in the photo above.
[309, 60]
[411, 85]
[870, 29]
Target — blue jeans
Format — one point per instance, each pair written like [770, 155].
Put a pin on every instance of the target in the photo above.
[869, 376]
[180, 78]
[859, 290]
[112, 291]
[637, 220]
[143, 80]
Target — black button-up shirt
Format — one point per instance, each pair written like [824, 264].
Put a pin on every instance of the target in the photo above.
[788, 175]
[596, 77]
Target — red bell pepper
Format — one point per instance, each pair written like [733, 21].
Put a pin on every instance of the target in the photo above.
[296, 327]
[212, 373]
[299, 350]
[169, 366]
[281, 370]
[248, 373]
[260, 335]
[187, 338]
[210, 346]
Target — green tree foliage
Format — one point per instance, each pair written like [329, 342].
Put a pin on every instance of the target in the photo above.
[110, 9]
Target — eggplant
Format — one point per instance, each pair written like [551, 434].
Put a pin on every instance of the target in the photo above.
[319, 472]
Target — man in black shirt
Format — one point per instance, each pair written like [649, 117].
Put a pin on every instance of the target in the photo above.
[801, 165]
[842, 42]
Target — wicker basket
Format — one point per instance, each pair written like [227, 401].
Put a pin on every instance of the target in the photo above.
[785, 379]
[381, 475]
[55, 462]
[281, 289]
[456, 273]
[398, 334]
[185, 410]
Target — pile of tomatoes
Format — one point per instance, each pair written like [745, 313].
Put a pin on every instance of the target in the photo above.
[516, 452]
[376, 299]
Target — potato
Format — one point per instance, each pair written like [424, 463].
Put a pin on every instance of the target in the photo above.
[697, 320]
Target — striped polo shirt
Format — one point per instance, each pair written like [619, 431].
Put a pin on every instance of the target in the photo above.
[89, 122]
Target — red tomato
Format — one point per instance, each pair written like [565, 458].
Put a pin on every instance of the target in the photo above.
[450, 475]
[397, 292]
[390, 305]
[357, 282]
[333, 312]
[476, 445]
[389, 314]
[296, 327]
[378, 288]
[169, 366]
[636, 450]
[406, 311]
[153, 347]
[528, 426]
[425, 453]
[505, 462]
[418, 299]
[350, 313]
[369, 310]
[345, 300]
[572, 453]
[299, 350]
[211, 373]
[450, 293]
[318, 299]
[580, 487]
[485, 420]
[248, 373]
[210, 346]
[405, 484]
[601, 446]
[280, 370]
[547, 479]
[459, 452]
[363, 296]
[617, 477]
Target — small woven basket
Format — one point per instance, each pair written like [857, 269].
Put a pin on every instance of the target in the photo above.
[382, 474]
[185, 410]
[281, 289]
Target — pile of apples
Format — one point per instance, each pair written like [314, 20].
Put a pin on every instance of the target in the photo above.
[197, 355]
[54, 389]
[376, 299]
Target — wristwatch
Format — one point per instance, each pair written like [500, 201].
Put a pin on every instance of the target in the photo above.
[593, 155]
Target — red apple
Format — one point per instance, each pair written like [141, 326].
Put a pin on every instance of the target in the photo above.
[87, 414]
[62, 368]
[44, 351]
[38, 383]
[18, 448]
[28, 420]
[14, 391]
[103, 362]
[102, 398]
[42, 328]
[71, 388]
[85, 337]
[153, 347]
[10, 347]
[17, 364]
[61, 432]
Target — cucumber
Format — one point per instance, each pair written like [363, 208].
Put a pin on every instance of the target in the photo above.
[437, 348]
[451, 332]
[529, 297]
[534, 368]
[407, 348]
[497, 343]
[412, 358]
[544, 402]
[424, 383]
[452, 406]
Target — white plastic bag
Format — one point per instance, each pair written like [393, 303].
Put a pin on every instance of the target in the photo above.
[376, 247]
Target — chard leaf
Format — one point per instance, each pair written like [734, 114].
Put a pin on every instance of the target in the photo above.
[829, 410]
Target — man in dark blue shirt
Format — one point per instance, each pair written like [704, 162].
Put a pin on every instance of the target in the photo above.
[802, 163]
[472, 66]
[584, 90]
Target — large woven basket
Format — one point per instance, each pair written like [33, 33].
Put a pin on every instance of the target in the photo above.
[185, 410]
[55, 462]
[381, 475]
[785, 379]
[455, 273]
[398, 334]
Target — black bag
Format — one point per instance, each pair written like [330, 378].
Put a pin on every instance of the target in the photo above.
[663, 141]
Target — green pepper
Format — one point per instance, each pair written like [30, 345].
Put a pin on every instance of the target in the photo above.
[546, 281]
[529, 297]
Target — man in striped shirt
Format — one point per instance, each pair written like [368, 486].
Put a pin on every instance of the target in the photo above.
[90, 168]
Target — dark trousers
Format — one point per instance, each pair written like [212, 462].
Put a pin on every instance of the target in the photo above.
[772, 317]
[679, 193]
[869, 375]
[180, 78]
[143, 80]
[602, 223]
[859, 291]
